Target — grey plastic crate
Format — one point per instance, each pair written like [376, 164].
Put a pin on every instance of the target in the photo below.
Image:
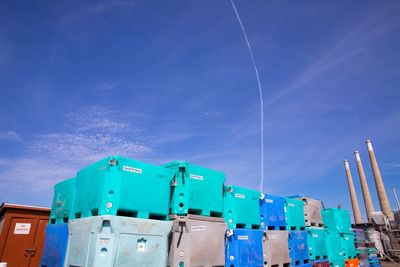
[197, 241]
[276, 248]
[105, 241]
[312, 212]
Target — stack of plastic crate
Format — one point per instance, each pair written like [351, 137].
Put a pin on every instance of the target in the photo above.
[244, 236]
[373, 260]
[316, 234]
[298, 236]
[112, 206]
[360, 240]
[294, 216]
[340, 238]
[197, 207]
[275, 239]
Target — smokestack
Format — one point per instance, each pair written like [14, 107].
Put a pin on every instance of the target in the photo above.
[380, 188]
[364, 186]
[353, 196]
[397, 197]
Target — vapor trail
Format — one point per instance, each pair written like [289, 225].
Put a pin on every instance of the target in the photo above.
[259, 90]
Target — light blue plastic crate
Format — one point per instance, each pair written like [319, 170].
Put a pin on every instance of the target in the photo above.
[102, 241]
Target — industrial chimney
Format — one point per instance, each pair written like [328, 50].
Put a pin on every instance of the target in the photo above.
[396, 197]
[380, 188]
[353, 196]
[364, 186]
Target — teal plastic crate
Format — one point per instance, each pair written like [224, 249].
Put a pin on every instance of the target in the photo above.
[316, 240]
[348, 246]
[334, 247]
[123, 186]
[241, 207]
[114, 186]
[337, 220]
[63, 201]
[117, 241]
[337, 263]
[294, 213]
[196, 190]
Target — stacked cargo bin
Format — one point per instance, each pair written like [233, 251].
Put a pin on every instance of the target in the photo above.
[197, 207]
[316, 234]
[294, 216]
[244, 237]
[373, 260]
[122, 212]
[340, 238]
[112, 206]
[276, 237]
[360, 241]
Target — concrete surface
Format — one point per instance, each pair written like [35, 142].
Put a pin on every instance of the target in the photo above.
[389, 264]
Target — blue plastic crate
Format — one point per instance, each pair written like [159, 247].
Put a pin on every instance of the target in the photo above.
[298, 248]
[244, 248]
[55, 245]
[272, 212]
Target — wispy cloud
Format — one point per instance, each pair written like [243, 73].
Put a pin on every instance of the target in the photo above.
[105, 87]
[391, 165]
[94, 132]
[342, 51]
[95, 10]
[91, 134]
[9, 135]
[32, 174]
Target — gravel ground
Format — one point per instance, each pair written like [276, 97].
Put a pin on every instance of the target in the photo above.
[389, 264]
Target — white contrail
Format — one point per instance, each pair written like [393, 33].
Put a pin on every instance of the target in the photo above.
[260, 91]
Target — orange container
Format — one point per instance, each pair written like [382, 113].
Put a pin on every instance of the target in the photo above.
[22, 234]
[351, 263]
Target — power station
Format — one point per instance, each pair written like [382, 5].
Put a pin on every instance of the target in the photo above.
[382, 227]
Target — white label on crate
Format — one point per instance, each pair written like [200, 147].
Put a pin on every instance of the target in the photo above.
[346, 238]
[104, 241]
[196, 177]
[269, 200]
[315, 235]
[141, 245]
[291, 205]
[284, 209]
[243, 237]
[240, 196]
[22, 228]
[198, 228]
[132, 169]
[272, 236]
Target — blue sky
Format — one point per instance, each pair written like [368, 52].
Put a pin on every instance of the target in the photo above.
[167, 80]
